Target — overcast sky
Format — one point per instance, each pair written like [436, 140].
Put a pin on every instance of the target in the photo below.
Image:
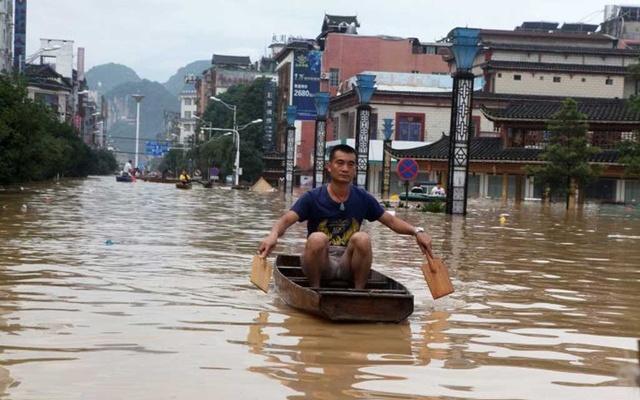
[156, 37]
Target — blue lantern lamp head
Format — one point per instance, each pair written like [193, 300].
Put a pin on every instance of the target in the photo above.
[366, 85]
[322, 103]
[387, 128]
[464, 46]
[291, 115]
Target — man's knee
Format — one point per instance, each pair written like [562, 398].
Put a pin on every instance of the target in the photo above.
[317, 241]
[361, 240]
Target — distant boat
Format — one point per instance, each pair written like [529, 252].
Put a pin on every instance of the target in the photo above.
[124, 178]
[422, 193]
[159, 179]
[183, 185]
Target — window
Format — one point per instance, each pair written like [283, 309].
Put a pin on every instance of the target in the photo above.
[334, 77]
[608, 81]
[187, 101]
[517, 77]
[409, 127]
[499, 75]
[475, 127]
[584, 79]
[556, 79]
[187, 114]
[373, 126]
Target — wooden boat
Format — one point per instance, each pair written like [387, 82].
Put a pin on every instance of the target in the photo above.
[183, 185]
[159, 179]
[124, 178]
[383, 299]
[422, 193]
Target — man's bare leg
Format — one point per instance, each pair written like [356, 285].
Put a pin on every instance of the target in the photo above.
[359, 258]
[316, 257]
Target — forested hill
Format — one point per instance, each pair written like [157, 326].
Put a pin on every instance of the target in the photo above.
[107, 76]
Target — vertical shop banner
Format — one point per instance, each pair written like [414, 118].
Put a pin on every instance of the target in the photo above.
[269, 124]
[20, 35]
[306, 83]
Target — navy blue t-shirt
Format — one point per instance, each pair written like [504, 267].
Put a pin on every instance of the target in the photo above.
[324, 215]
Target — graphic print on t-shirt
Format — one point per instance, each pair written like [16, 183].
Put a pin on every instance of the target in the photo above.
[339, 231]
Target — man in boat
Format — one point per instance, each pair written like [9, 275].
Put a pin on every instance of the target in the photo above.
[184, 177]
[438, 190]
[335, 248]
[126, 171]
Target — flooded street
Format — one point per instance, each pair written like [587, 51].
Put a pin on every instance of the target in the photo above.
[141, 291]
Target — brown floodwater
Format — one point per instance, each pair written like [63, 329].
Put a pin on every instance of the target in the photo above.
[140, 291]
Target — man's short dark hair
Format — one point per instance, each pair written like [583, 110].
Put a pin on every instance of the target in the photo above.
[345, 148]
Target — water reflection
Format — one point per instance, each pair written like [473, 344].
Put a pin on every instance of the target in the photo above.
[141, 291]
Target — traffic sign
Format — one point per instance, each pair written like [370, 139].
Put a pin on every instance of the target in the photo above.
[157, 148]
[407, 169]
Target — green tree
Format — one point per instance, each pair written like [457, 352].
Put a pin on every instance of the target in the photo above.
[630, 154]
[34, 145]
[219, 150]
[567, 156]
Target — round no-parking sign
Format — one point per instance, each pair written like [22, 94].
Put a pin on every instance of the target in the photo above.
[407, 169]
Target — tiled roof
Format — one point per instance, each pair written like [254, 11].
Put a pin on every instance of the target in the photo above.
[485, 150]
[555, 67]
[561, 49]
[231, 60]
[603, 111]
[529, 34]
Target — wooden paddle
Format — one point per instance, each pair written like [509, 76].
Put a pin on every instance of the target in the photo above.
[261, 271]
[437, 276]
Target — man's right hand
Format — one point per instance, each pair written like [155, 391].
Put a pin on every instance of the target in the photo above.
[267, 245]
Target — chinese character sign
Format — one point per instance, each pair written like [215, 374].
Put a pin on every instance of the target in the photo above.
[306, 83]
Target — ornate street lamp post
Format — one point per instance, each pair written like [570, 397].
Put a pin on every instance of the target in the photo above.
[138, 98]
[365, 88]
[290, 148]
[464, 48]
[387, 130]
[322, 104]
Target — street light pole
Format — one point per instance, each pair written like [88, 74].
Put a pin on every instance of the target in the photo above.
[236, 139]
[138, 98]
[236, 172]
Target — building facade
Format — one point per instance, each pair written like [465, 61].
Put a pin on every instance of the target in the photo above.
[344, 55]
[6, 36]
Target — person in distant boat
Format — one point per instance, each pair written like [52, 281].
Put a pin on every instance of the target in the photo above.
[184, 177]
[437, 190]
[417, 188]
[128, 168]
[335, 247]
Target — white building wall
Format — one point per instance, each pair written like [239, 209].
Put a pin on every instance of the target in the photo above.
[61, 58]
[579, 85]
[188, 108]
[436, 119]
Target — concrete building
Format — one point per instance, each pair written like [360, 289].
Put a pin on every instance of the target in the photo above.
[188, 108]
[535, 67]
[345, 54]
[6, 36]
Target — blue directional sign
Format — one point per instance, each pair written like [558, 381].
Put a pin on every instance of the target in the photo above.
[157, 149]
